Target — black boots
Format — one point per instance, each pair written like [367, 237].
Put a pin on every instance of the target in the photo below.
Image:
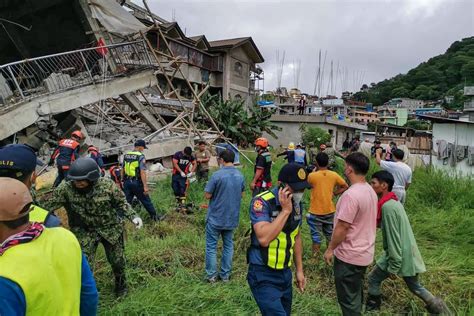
[120, 286]
[373, 303]
[437, 307]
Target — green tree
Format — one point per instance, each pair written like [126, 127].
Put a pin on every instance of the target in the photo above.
[418, 125]
[467, 72]
[314, 135]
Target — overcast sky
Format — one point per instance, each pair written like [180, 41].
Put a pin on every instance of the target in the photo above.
[373, 40]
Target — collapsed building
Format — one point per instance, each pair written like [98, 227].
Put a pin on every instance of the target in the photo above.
[117, 72]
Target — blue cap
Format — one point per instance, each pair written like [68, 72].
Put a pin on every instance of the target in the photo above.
[295, 176]
[18, 157]
[140, 143]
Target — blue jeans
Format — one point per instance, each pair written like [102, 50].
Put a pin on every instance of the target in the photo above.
[272, 289]
[212, 238]
[133, 188]
[377, 276]
[178, 184]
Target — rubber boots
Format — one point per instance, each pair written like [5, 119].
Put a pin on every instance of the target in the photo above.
[373, 303]
[437, 307]
[120, 286]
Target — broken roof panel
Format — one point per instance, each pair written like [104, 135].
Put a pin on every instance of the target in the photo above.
[115, 18]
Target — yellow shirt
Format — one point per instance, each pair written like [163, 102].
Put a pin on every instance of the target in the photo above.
[323, 183]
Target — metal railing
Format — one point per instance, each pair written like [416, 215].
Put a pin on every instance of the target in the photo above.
[26, 79]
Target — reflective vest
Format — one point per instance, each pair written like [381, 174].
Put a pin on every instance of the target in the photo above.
[48, 270]
[131, 164]
[279, 253]
[38, 214]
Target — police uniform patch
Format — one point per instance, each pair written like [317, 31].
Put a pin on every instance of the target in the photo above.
[301, 174]
[257, 206]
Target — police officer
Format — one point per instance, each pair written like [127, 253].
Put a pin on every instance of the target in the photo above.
[262, 179]
[276, 217]
[42, 270]
[93, 152]
[184, 165]
[66, 152]
[93, 205]
[135, 179]
[289, 153]
[300, 155]
[19, 162]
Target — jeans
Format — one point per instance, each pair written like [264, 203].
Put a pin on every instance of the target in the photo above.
[131, 188]
[377, 276]
[62, 174]
[320, 224]
[272, 289]
[349, 281]
[212, 238]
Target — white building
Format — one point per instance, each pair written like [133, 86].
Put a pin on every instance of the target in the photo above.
[453, 145]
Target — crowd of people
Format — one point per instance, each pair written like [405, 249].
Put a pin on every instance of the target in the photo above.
[97, 206]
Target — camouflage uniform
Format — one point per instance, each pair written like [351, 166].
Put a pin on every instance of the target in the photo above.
[93, 218]
[332, 157]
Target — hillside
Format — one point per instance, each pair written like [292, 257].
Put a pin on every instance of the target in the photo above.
[440, 76]
[165, 262]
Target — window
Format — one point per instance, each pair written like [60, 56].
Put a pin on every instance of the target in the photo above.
[238, 69]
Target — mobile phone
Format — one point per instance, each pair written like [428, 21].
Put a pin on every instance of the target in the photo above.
[282, 185]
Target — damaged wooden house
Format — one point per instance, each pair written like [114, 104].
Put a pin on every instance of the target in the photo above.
[117, 72]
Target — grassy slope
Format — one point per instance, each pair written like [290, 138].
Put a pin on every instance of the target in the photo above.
[166, 261]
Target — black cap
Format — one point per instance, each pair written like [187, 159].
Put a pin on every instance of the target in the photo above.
[140, 143]
[295, 176]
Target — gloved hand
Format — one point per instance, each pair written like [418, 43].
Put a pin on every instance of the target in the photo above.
[190, 174]
[138, 222]
[183, 174]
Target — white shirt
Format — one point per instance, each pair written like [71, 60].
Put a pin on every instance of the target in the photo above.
[401, 172]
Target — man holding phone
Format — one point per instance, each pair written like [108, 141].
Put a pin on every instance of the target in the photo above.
[276, 220]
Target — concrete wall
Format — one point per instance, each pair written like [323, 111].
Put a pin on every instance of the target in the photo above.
[460, 134]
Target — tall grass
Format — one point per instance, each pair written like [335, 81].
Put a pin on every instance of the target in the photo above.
[165, 262]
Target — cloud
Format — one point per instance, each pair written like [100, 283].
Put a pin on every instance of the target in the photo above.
[373, 39]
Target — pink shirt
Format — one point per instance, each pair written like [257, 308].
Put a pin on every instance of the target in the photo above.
[357, 206]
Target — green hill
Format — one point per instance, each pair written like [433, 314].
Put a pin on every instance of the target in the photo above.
[440, 76]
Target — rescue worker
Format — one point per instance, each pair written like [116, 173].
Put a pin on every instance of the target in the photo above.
[93, 152]
[276, 217]
[289, 153]
[93, 204]
[300, 155]
[184, 166]
[66, 152]
[19, 162]
[42, 270]
[135, 179]
[116, 175]
[262, 179]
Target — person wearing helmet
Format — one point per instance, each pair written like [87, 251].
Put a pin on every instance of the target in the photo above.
[66, 152]
[134, 177]
[19, 162]
[276, 218]
[95, 207]
[289, 153]
[93, 152]
[262, 179]
[42, 270]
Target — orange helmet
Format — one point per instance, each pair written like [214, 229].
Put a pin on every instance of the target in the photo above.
[262, 142]
[77, 134]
